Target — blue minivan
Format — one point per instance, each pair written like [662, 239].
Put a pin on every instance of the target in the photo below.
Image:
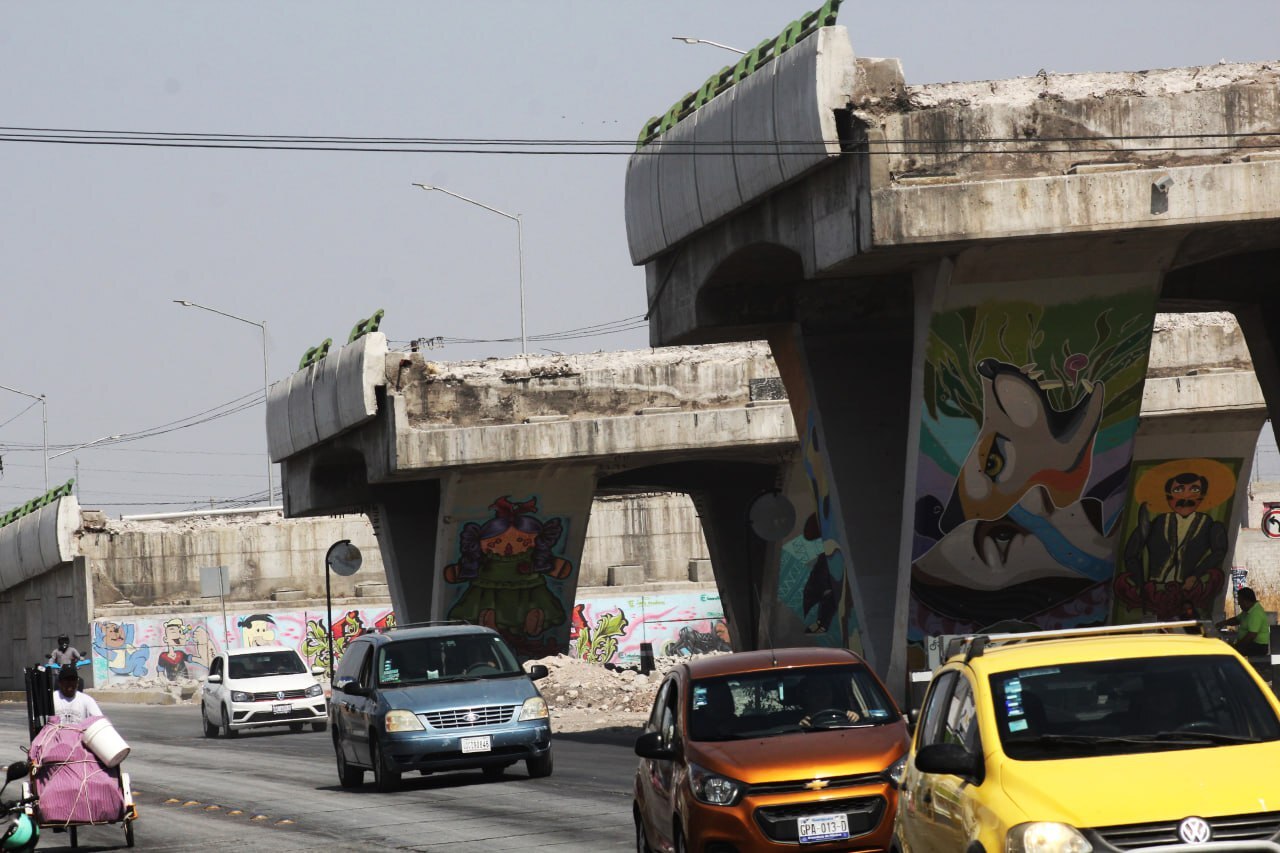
[442, 697]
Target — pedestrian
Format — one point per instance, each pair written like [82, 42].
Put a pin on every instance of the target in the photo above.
[1253, 638]
[69, 704]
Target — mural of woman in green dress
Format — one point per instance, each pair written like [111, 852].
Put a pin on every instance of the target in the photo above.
[506, 563]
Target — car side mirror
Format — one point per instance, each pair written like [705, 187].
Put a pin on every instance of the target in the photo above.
[950, 759]
[352, 688]
[214, 679]
[650, 745]
[16, 770]
[318, 671]
[537, 671]
[913, 720]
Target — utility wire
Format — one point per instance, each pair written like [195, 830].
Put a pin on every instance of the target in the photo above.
[20, 414]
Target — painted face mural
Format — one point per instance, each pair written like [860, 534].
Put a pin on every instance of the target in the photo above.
[1176, 538]
[505, 566]
[259, 629]
[1026, 437]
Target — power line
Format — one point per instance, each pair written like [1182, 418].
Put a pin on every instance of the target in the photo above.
[20, 414]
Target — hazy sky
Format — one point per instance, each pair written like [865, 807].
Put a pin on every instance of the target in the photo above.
[95, 241]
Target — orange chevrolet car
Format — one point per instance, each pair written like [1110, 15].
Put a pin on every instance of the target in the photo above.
[767, 751]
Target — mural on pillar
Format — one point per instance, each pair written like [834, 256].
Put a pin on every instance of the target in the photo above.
[1175, 539]
[511, 576]
[812, 580]
[1025, 444]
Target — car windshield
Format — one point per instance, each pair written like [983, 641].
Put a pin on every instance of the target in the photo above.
[776, 702]
[1129, 705]
[448, 658]
[262, 664]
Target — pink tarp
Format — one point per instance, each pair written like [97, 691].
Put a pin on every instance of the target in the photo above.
[72, 784]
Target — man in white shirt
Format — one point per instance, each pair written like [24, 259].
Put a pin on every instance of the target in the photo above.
[69, 704]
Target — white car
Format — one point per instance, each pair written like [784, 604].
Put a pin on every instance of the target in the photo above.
[261, 686]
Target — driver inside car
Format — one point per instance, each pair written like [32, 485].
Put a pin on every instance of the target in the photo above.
[816, 695]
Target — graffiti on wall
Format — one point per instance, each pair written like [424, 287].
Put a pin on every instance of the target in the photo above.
[510, 573]
[1026, 437]
[176, 647]
[1175, 538]
[607, 629]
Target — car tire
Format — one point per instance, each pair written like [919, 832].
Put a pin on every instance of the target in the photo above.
[210, 729]
[348, 776]
[227, 731]
[295, 727]
[320, 726]
[539, 768]
[385, 780]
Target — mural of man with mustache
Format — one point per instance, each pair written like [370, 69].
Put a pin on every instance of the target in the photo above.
[1176, 555]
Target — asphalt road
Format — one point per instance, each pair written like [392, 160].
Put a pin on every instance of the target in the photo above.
[277, 791]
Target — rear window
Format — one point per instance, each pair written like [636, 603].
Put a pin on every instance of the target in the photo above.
[261, 664]
[454, 657]
[1129, 705]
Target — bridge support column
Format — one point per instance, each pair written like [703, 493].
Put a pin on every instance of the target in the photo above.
[508, 548]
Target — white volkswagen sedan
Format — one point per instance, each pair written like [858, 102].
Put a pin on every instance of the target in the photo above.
[261, 686]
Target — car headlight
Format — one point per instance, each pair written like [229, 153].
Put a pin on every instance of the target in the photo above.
[402, 721]
[712, 788]
[895, 771]
[241, 696]
[1046, 837]
[315, 690]
[534, 709]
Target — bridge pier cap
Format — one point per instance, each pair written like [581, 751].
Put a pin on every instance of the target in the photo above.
[959, 282]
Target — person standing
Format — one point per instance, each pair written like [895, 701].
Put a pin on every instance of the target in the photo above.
[69, 704]
[1253, 637]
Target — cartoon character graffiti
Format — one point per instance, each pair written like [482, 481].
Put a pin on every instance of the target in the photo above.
[114, 642]
[1176, 556]
[505, 564]
[600, 644]
[315, 646]
[1015, 516]
[827, 586]
[258, 629]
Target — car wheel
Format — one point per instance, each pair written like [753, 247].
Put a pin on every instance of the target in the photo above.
[227, 731]
[348, 776]
[320, 726]
[385, 779]
[210, 729]
[539, 767]
[295, 727]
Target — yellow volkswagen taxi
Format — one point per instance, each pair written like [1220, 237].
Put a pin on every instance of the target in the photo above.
[1129, 738]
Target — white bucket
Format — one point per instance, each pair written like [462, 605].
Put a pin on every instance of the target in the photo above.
[102, 739]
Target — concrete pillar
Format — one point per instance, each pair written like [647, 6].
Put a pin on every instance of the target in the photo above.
[406, 519]
[509, 548]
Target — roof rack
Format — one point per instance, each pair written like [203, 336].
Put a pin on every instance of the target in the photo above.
[973, 645]
[427, 624]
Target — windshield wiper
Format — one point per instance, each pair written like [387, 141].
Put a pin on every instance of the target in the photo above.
[1141, 739]
[1212, 737]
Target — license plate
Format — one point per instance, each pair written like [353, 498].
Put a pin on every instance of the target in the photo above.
[823, 827]
[476, 744]
[282, 708]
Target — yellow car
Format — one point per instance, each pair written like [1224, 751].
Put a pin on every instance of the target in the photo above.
[1092, 740]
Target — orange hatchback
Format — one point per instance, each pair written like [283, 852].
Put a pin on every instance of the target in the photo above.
[768, 751]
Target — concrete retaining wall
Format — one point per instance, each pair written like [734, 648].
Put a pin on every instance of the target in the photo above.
[32, 615]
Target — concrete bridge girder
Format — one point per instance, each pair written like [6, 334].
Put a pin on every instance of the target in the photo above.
[968, 329]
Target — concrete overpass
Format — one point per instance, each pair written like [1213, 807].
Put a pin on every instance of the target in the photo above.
[959, 283]
[427, 449]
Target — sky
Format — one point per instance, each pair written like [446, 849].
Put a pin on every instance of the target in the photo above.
[97, 241]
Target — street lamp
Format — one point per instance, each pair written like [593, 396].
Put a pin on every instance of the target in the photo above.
[44, 417]
[271, 488]
[82, 447]
[691, 40]
[519, 245]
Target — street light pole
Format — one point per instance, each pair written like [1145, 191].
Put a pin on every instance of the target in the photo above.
[519, 245]
[44, 418]
[262, 327]
[691, 40]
